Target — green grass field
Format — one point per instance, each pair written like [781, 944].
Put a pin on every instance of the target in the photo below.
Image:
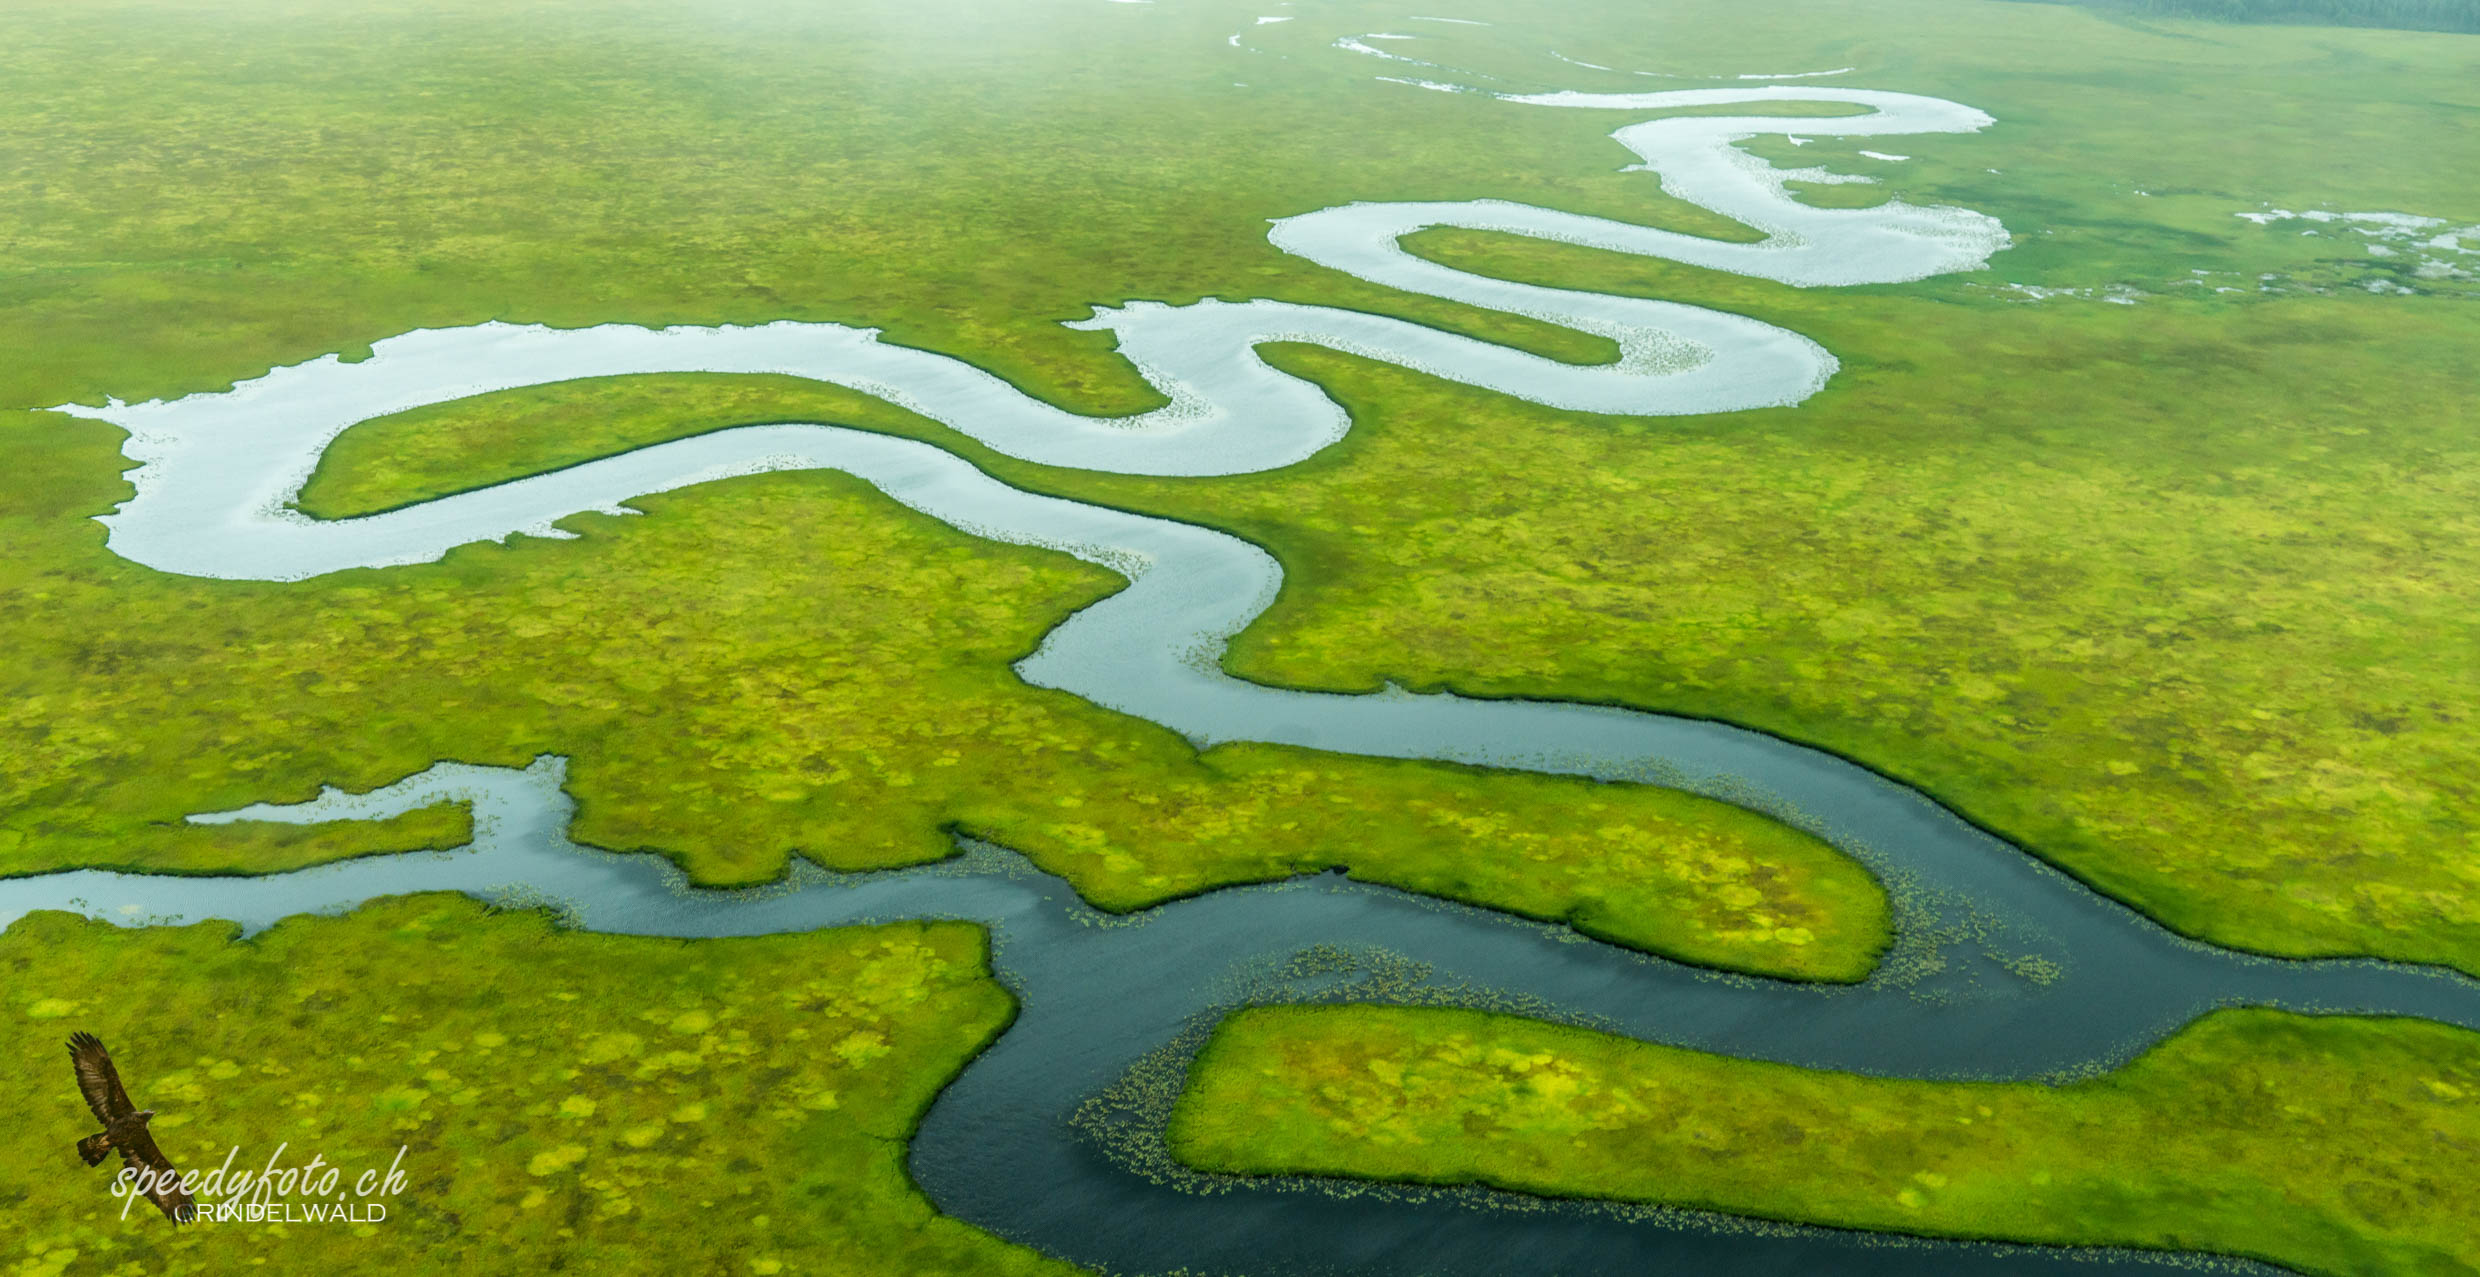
[565, 1102]
[2326, 1145]
[2149, 588]
[729, 703]
[2178, 594]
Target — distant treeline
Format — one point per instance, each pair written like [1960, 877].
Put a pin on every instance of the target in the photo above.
[2412, 15]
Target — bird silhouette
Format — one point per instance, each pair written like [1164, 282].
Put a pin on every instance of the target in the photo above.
[124, 1128]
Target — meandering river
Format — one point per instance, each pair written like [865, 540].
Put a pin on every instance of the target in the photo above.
[2004, 967]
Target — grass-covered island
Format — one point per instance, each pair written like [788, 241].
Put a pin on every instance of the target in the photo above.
[2330, 1145]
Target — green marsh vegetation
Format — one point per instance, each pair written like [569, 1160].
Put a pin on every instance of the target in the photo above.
[2414, 15]
[2174, 593]
[780, 665]
[565, 1101]
[2177, 593]
[2334, 1146]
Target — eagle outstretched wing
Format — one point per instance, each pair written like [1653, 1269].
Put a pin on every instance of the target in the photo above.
[100, 1083]
[164, 1186]
[96, 1077]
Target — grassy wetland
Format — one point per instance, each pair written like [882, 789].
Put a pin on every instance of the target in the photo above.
[2150, 548]
[780, 665]
[2172, 593]
[564, 1101]
[2326, 1145]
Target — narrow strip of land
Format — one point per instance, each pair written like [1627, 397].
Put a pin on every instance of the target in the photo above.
[2332, 1145]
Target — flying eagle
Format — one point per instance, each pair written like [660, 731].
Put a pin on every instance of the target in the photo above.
[124, 1128]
